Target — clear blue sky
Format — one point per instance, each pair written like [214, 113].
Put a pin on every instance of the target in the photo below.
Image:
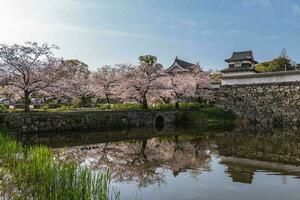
[101, 32]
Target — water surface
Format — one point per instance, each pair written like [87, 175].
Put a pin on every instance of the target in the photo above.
[189, 163]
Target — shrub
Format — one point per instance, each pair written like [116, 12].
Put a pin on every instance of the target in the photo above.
[191, 106]
[45, 107]
[208, 116]
[63, 108]
[163, 107]
[2, 108]
[182, 105]
[136, 106]
[57, 108]
[119, 106]
[218, 113]
[105, 106]
[52, 105]
[15, 110]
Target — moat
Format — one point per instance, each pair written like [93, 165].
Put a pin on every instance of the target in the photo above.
[188, 163]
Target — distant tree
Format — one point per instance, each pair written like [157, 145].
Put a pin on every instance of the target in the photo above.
[140, 80]
[148, 59]
[283, 53]
[280, 63]
[264, 67]
[106, 79]
[29, 68]
[216, 75]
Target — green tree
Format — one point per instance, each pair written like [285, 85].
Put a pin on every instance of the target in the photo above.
[148, 59]
[280, 63]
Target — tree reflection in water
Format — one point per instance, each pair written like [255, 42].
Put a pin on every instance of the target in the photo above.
[144, 160]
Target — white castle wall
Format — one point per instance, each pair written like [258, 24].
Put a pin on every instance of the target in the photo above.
[259, 78]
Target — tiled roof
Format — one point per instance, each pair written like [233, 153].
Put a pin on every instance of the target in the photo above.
[243, 55]
[184, 64]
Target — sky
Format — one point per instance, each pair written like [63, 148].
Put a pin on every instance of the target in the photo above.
[107, 32]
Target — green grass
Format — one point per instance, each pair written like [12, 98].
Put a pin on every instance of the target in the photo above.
[61, 108]
[2, 108]
[182, 106]
[113, 107]
[119, 106]
[135, 106]
[34, 173]
[209, 116]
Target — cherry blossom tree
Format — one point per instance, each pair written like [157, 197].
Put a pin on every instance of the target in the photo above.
[202, 79]
[194, 84]
[29, 68]
[181, 85]
[6, 92]
[78, 84]
[105, 80]
[141, 80]
[162, 93]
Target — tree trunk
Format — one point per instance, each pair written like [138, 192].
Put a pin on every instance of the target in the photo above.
[177, 104]
[144, 145]
[82, 102]
[165, 100]
[199, 100]
[145, 103]
[27, 100]
[107, 98]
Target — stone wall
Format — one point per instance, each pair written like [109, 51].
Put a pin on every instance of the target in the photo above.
[65, 121]
[267, 104]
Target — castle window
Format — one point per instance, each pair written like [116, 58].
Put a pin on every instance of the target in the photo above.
[238, 64]
[246, 65]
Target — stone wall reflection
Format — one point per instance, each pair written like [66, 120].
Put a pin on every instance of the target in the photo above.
[247, 150]
[274, 145]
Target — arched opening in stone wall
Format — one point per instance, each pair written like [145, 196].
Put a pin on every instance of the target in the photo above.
[159, 123]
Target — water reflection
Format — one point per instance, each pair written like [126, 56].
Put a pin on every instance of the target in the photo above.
[141, 161]
[243, 170]
[143, 158]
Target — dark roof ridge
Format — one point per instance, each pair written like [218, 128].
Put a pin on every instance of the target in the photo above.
[241, 55]
[177, 59]
[181, 63]
[246, 51]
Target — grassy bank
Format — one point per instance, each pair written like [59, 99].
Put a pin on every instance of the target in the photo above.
[208, 117]
[113, 107]
[33, 173]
